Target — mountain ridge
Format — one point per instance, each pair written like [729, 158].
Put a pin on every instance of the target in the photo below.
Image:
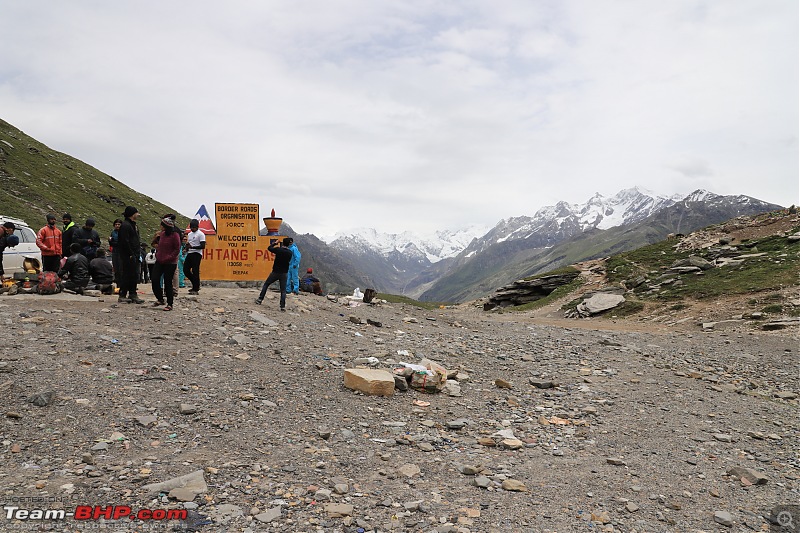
[400, 263]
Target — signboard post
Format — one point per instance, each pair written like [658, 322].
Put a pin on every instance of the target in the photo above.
[237, 252]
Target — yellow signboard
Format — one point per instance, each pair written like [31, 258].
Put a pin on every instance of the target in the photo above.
[237, 252]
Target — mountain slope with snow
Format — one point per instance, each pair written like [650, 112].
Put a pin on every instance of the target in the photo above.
[409, 263]
[433, 247]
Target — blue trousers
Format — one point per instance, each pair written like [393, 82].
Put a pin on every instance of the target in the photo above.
[293, 280]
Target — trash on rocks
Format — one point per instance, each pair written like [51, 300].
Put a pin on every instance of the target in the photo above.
[371, 361]
[427, 376]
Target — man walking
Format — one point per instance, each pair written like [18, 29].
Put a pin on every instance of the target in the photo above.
[195, 242]
[129, 246]
[293, 281]
[280, 267]
[49, 242]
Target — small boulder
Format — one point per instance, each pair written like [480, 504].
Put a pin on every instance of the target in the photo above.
[370, 381]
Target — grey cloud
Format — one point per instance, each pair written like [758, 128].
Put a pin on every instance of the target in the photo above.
[693, 168]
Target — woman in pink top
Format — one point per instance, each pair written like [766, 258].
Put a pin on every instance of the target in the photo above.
[169, 246]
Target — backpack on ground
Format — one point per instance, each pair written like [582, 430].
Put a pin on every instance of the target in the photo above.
[49, 283]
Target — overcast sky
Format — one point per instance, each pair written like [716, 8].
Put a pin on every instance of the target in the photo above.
[410, 115]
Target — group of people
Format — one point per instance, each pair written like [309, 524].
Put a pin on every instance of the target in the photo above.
[76, 255]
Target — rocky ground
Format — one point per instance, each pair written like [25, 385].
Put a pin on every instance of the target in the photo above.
[560, 426]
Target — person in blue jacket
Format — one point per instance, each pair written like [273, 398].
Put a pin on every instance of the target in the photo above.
[293, 279]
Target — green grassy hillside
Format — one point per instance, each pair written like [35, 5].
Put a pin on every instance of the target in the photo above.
[36, 180]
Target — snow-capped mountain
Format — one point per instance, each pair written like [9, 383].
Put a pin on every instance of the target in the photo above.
[432, 247]
[625, 207]
[408, 263]
[552, 224]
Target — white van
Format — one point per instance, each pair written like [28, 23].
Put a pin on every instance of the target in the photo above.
[26, 249]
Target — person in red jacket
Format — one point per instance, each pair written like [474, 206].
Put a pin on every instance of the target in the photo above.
[49, 242]
[169, 246]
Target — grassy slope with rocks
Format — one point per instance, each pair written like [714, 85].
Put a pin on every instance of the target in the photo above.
[766, 280]
[36, 180]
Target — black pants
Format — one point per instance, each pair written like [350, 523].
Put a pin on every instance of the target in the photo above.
[51, 263]
[281, 279]
[115, 264]
[191, 269]
[129, 278]
[77, 287]
[167, 270]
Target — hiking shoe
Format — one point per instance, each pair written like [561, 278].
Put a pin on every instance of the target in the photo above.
[123, 300]
[168, 308]
[193, 292]
[258, 301]
[136, 300]
[283, 309]
[158, 303]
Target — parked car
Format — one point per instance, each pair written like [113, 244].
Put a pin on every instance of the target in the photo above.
[26, 249]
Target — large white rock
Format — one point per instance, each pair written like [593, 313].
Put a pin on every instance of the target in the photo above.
[600, 302]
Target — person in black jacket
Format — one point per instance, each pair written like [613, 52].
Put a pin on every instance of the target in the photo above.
[88, 238]
[75, 271]
[102, 273]
[280, 269]
[66, 234]
[129, 245]
[6, 232]
[113, 241]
